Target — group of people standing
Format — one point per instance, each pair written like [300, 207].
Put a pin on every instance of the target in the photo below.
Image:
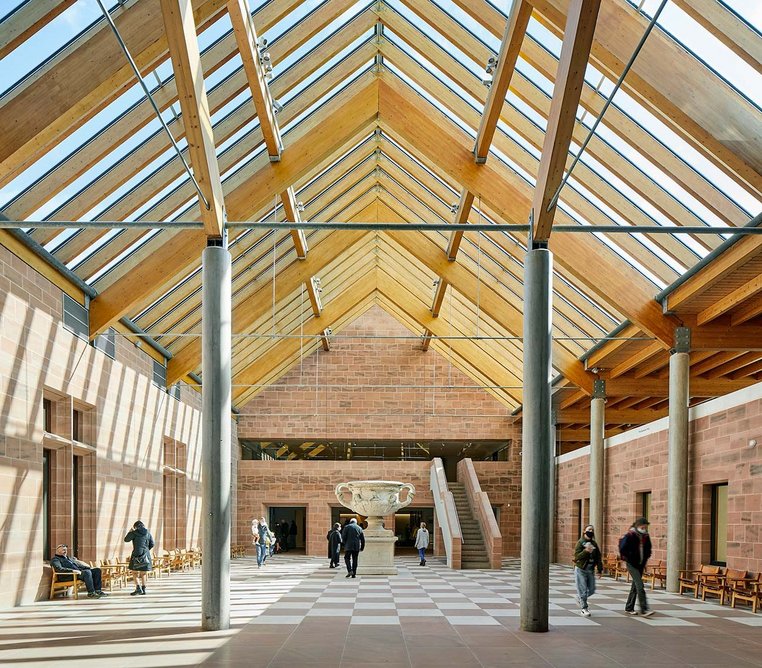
[634, 550]
[352, 538]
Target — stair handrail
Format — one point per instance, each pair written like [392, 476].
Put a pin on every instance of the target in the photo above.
[482, 510]
[447, 514]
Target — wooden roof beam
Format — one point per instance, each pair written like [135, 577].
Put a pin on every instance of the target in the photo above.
[461, 217]
[440, 142]
[734, 257]
[612, 416]
[292, 213]
[247, 311]
[180, 30]
[570, 77]
[255, 67]
[349, 113]
[730, 301]
[515, 29]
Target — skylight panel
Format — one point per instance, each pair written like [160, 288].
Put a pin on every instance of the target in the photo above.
[90, 280]
[707, 48]
[47, 41]
[73, 142]
[706, 168]
[437, 38]
[434, 71]
[469, 24]
[324, 68]
[751, 12]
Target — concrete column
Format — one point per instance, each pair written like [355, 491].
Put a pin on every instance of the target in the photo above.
[216, 435]
[552, 496]
[597, 412]
[677, 474]
[537, 440]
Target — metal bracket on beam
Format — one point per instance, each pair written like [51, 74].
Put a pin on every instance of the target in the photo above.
[599, 388]
[479, 160]
[682, 340]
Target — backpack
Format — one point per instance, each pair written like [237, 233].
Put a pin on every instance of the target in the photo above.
[622, 543]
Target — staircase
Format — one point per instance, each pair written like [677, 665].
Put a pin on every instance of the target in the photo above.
[473, 553]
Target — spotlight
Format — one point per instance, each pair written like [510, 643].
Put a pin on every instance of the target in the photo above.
[454, 207]
[299, 205]
[487, 82]
[277, 107]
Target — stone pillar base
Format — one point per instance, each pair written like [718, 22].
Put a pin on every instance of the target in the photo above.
[378, 556]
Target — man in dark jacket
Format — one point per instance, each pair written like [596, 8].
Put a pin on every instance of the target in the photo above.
[635, 550]
[353, 538]
[334, 544]
[587, 558]
[63, 563]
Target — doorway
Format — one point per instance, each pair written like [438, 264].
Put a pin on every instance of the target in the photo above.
[289, 524]
[406, 525]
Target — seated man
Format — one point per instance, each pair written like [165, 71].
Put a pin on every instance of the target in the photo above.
[63, 563]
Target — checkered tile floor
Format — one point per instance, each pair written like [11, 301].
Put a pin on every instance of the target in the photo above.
[477, 598]
[296, 612]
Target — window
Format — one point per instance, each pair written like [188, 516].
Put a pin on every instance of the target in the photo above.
[76, 318]
[77, 426]
[160, 374]
[174, 391]
[719, 549]
[47, 415]
[644, 505]
[106, 343]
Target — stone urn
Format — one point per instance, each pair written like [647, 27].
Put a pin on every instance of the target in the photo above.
[375, 499]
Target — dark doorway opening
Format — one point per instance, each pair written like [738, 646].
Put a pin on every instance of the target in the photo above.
[289, 524]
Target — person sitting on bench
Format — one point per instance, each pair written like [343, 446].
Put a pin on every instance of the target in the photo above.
[63, 563]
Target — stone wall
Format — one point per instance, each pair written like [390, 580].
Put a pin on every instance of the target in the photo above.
[502, 483]
[376, 389]
[109, 424]
[636, 462]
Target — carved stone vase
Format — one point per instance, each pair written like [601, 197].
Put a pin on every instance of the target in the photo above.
[375, 499]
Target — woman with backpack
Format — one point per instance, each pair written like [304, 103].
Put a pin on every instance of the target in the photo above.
[587, 558]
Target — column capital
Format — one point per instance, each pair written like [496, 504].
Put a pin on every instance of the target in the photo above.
[682, 340]
[599, 388]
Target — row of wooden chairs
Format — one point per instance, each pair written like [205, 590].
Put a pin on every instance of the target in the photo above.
[655, 572]
[115, 572]
[725, 584]
[237, 550]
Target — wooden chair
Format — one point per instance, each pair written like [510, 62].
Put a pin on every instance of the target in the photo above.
[63, 582]
[692, 580]
[748, 590]
[118, 571]
[656, 572]
[609, 564]
[621, 569]
[162, 565]
[108, 576]
[714, 586]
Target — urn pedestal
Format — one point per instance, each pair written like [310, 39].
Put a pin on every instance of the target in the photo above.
[374, 499]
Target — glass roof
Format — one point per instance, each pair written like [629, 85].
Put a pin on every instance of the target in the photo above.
[640, 169]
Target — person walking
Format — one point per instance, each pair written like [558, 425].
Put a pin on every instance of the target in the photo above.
[334, 544]
[140, 559]
[422, 542]
[587, 559]
[262, 540]
[635, 550]
[353, 538]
